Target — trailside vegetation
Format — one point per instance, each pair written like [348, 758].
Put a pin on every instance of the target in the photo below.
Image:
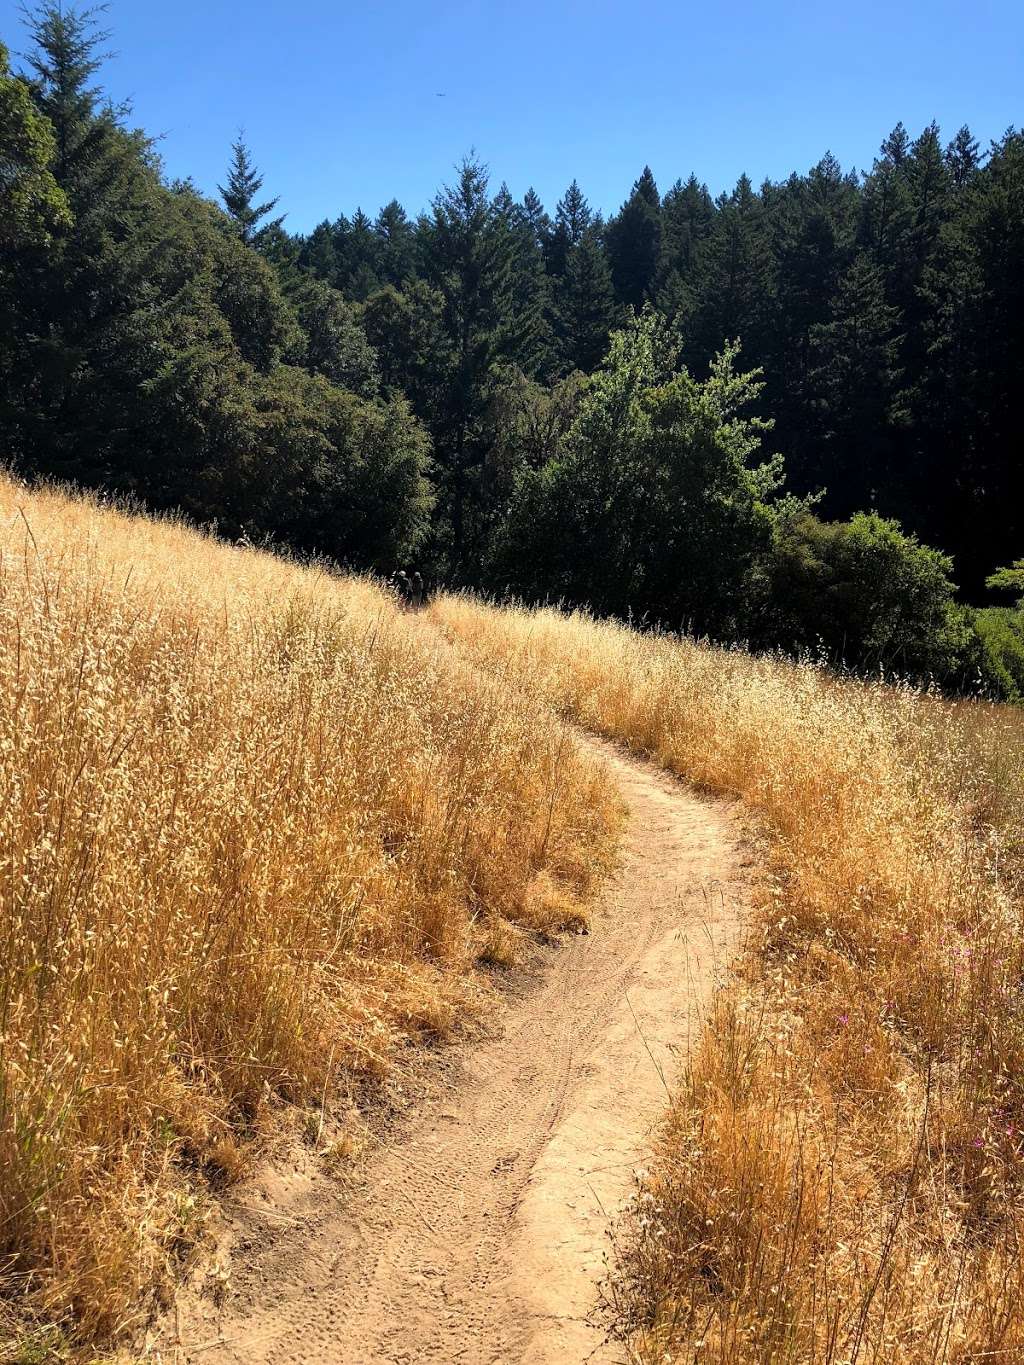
[837, 1177]
[259, 824]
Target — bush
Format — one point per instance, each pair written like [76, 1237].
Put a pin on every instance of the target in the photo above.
[869, 594]
[1000, 631]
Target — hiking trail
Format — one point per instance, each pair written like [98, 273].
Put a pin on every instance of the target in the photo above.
[479, 1232]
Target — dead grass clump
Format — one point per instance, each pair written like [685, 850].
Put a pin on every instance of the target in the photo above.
[253, 820]
[839, 1177]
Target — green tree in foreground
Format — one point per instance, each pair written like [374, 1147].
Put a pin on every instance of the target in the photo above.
[656, 502]
[869, 595]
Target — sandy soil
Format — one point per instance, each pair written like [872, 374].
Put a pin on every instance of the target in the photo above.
[482, 1229]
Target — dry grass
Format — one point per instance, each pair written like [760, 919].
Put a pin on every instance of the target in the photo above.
[256, 824]
[839, 1176]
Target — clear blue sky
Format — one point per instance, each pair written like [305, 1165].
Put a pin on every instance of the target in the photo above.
[339, 98]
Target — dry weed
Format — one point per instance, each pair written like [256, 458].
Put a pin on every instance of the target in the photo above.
[255, 823]
[839, 1177]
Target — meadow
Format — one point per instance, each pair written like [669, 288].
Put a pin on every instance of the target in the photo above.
[260, 828]
[838, 1177]
[257, 829]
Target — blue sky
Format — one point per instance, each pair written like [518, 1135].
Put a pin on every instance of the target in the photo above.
[340, 101]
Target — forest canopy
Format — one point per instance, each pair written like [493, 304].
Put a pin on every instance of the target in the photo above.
[786, 414]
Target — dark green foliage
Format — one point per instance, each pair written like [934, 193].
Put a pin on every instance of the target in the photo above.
[352, 480]
[584, 305]
[735, 267]
[573, 219]
[335, 343]
[530, 337]
[147, 342]
[239, 194]
[869, 595]
[414, 350]
[649, 503]
[396, 250]
[853, 386]
[471, 256]
[634, 243]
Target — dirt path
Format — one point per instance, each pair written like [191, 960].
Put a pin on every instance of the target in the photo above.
[482, 1234]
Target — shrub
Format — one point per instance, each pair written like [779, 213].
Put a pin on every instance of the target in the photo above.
[870, 594]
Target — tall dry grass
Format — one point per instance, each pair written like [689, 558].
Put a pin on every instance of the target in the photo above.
[839, 1176]
[255, 824]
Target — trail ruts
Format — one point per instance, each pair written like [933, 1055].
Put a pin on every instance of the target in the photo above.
[481, 1234]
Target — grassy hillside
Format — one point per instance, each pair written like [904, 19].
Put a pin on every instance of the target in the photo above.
[256, 825]
[839, 1176]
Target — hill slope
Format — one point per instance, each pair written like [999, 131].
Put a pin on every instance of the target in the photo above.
[256, 825]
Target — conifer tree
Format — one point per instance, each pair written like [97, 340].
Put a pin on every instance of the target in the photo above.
[634, 243]
[962, 157]
[688, 212]
[585, 305]
[469, 254]
[396, 245]
[733, 289]
[854, 384]
[528, 339]
[572, 219]
[239, 194]
[356, 248]
[317, 253]
[86, 333]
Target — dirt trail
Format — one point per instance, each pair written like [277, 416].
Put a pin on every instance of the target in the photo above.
[482, 1234]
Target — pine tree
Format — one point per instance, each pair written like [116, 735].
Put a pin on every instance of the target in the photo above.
[84, 329]
[688, 214]
[585, 305]
[962, 158]
[572, 219]
[357, 248]
[396, 245]
[734, 282]
[634, 241]
[244, 184]
[536, 217]
[528, 334]
[968, 398]
[854, 387]
[469, 253]
[811, 224]
[317, 253]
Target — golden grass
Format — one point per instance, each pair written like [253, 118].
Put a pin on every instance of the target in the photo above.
[839, 1176]
[256, 825]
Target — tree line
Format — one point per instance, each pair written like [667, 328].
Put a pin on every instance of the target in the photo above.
[751, 415]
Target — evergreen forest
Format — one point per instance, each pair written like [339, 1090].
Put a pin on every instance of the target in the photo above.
[786, 415]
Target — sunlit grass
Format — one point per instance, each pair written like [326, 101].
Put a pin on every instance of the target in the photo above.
[255, 825]
[839, 1176]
